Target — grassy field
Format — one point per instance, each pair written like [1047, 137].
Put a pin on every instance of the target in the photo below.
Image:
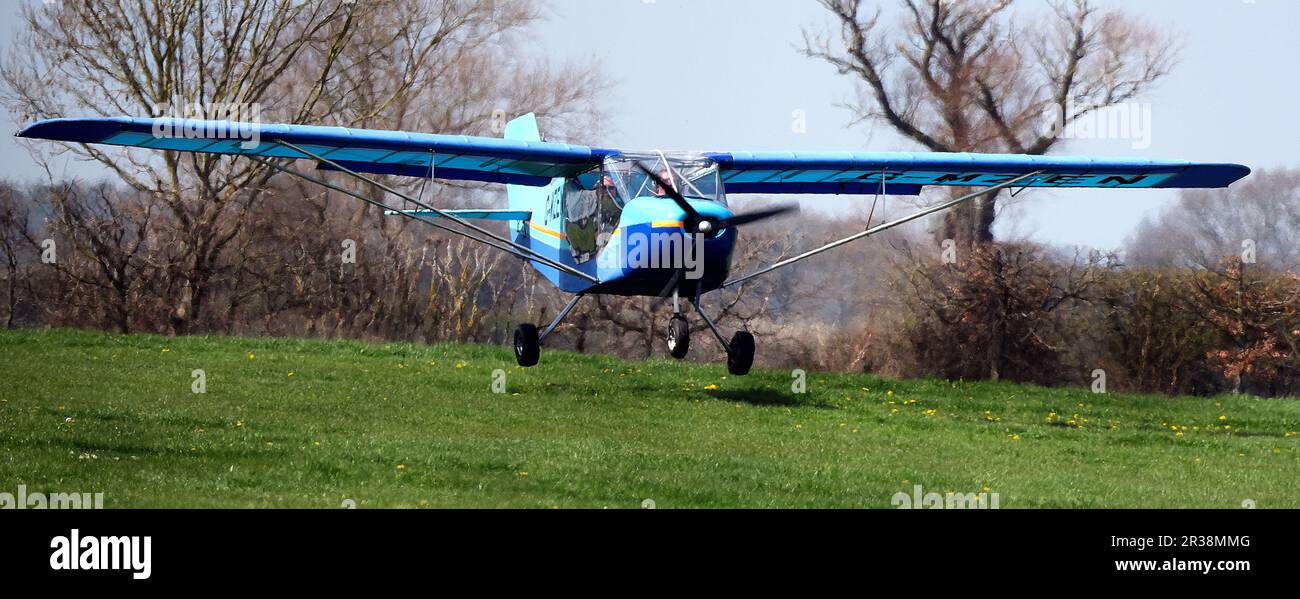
[316, 424]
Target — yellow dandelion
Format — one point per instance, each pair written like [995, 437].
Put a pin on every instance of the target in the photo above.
[401, 467]
[710, 387]
[251, 356]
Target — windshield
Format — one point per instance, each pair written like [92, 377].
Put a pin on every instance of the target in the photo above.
[695, 177]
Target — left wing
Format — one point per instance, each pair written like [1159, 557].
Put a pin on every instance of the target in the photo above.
[457, 157]
[906, 173]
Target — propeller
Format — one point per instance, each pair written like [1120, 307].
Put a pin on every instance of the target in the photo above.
[697, 223]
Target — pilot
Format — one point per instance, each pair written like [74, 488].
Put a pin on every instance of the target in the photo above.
[667, 176]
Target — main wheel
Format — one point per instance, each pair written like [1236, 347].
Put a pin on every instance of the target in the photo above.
[527, 348]
[741, 357]
[679, 337]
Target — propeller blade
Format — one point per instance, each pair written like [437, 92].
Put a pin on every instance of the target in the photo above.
[757, 215]
[672, 192]
[694, 220]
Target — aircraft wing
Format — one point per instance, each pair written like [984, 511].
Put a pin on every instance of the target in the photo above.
[906, 173]
[456, 157]
[534, 163]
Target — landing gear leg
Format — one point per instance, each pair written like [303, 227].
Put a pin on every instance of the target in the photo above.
[740, 350]
[528, 342]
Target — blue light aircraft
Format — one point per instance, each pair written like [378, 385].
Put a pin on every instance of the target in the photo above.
[604, 221]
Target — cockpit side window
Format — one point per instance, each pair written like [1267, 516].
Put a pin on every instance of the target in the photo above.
[591, 213]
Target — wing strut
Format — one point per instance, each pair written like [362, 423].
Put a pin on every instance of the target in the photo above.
[452, 217]
[882, 227]
[509, 248]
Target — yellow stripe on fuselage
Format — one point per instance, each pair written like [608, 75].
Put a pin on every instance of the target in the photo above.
[545, 231]
[663, 224]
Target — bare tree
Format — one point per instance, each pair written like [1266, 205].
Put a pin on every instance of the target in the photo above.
[108, 229]
[15, 217]
[101, 57]
[419, 65]
[967, 77]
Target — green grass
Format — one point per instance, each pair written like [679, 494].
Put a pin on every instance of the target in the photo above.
[311, 424]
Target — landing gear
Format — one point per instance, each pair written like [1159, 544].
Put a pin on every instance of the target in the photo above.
[740, 350]
[741, 355]
[528, 342]
[528, 348]
[679, 336]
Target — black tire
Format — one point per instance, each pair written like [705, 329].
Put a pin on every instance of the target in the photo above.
[679, 337]
[527, 348]
[741, 357]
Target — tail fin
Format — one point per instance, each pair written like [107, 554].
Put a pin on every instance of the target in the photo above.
[521, 197]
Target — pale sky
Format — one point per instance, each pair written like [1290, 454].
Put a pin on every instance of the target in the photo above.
[725, 75]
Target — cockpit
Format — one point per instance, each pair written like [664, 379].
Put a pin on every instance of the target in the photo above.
[594, 200]
[694, 176]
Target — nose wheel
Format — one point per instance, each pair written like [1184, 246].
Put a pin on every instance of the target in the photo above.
[679, 336]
